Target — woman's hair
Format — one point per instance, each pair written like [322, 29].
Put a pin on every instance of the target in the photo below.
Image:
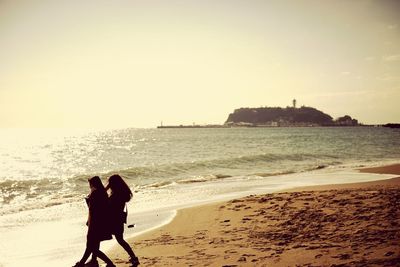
[119, 187]
[96, 183]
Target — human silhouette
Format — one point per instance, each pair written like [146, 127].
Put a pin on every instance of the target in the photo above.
[120, 194]
[98, 227]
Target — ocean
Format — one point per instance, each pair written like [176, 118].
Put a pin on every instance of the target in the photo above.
[44, 172]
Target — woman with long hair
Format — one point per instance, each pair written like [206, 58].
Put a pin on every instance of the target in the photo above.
[98, 228]
[120, 194]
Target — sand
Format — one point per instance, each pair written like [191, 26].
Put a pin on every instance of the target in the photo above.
[337, 225]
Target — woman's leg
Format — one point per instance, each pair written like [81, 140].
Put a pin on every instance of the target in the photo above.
[104, 257]
[89, 250]
[124, 244]
[96, 253]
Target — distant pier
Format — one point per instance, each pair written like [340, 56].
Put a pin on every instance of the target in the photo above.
[192, 126]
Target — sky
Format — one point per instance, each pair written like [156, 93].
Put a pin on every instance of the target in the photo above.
[128, 63]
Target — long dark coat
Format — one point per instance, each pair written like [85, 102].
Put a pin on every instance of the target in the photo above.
[98, 224]
[117, 219]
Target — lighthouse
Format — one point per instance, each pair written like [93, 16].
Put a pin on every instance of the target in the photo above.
[294, 103]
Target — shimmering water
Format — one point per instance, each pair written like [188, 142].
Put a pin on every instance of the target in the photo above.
[43, 173]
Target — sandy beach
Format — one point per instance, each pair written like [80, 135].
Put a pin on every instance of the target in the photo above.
[335, 225]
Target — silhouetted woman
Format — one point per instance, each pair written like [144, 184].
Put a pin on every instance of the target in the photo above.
[98, 228]
[120, 194]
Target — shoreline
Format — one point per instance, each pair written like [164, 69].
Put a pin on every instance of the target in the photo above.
[179, 244]
[163, 216]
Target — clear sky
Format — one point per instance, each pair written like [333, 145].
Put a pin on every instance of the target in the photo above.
[127, 63]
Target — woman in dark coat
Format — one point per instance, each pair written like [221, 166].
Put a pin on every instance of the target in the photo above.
[119, 196]
[98, 227]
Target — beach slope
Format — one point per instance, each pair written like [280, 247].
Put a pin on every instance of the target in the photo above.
[337, 225]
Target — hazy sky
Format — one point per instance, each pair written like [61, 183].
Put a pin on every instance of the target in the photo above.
[114, 63]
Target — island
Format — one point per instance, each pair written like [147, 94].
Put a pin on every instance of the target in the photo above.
[277, 117]
[286, 117]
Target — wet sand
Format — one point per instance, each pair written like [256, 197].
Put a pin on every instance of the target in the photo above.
[336, 225]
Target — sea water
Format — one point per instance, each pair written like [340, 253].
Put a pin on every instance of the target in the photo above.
[44, 172]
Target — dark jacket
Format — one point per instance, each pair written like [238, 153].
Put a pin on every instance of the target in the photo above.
[98, 225]
[117, 206]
